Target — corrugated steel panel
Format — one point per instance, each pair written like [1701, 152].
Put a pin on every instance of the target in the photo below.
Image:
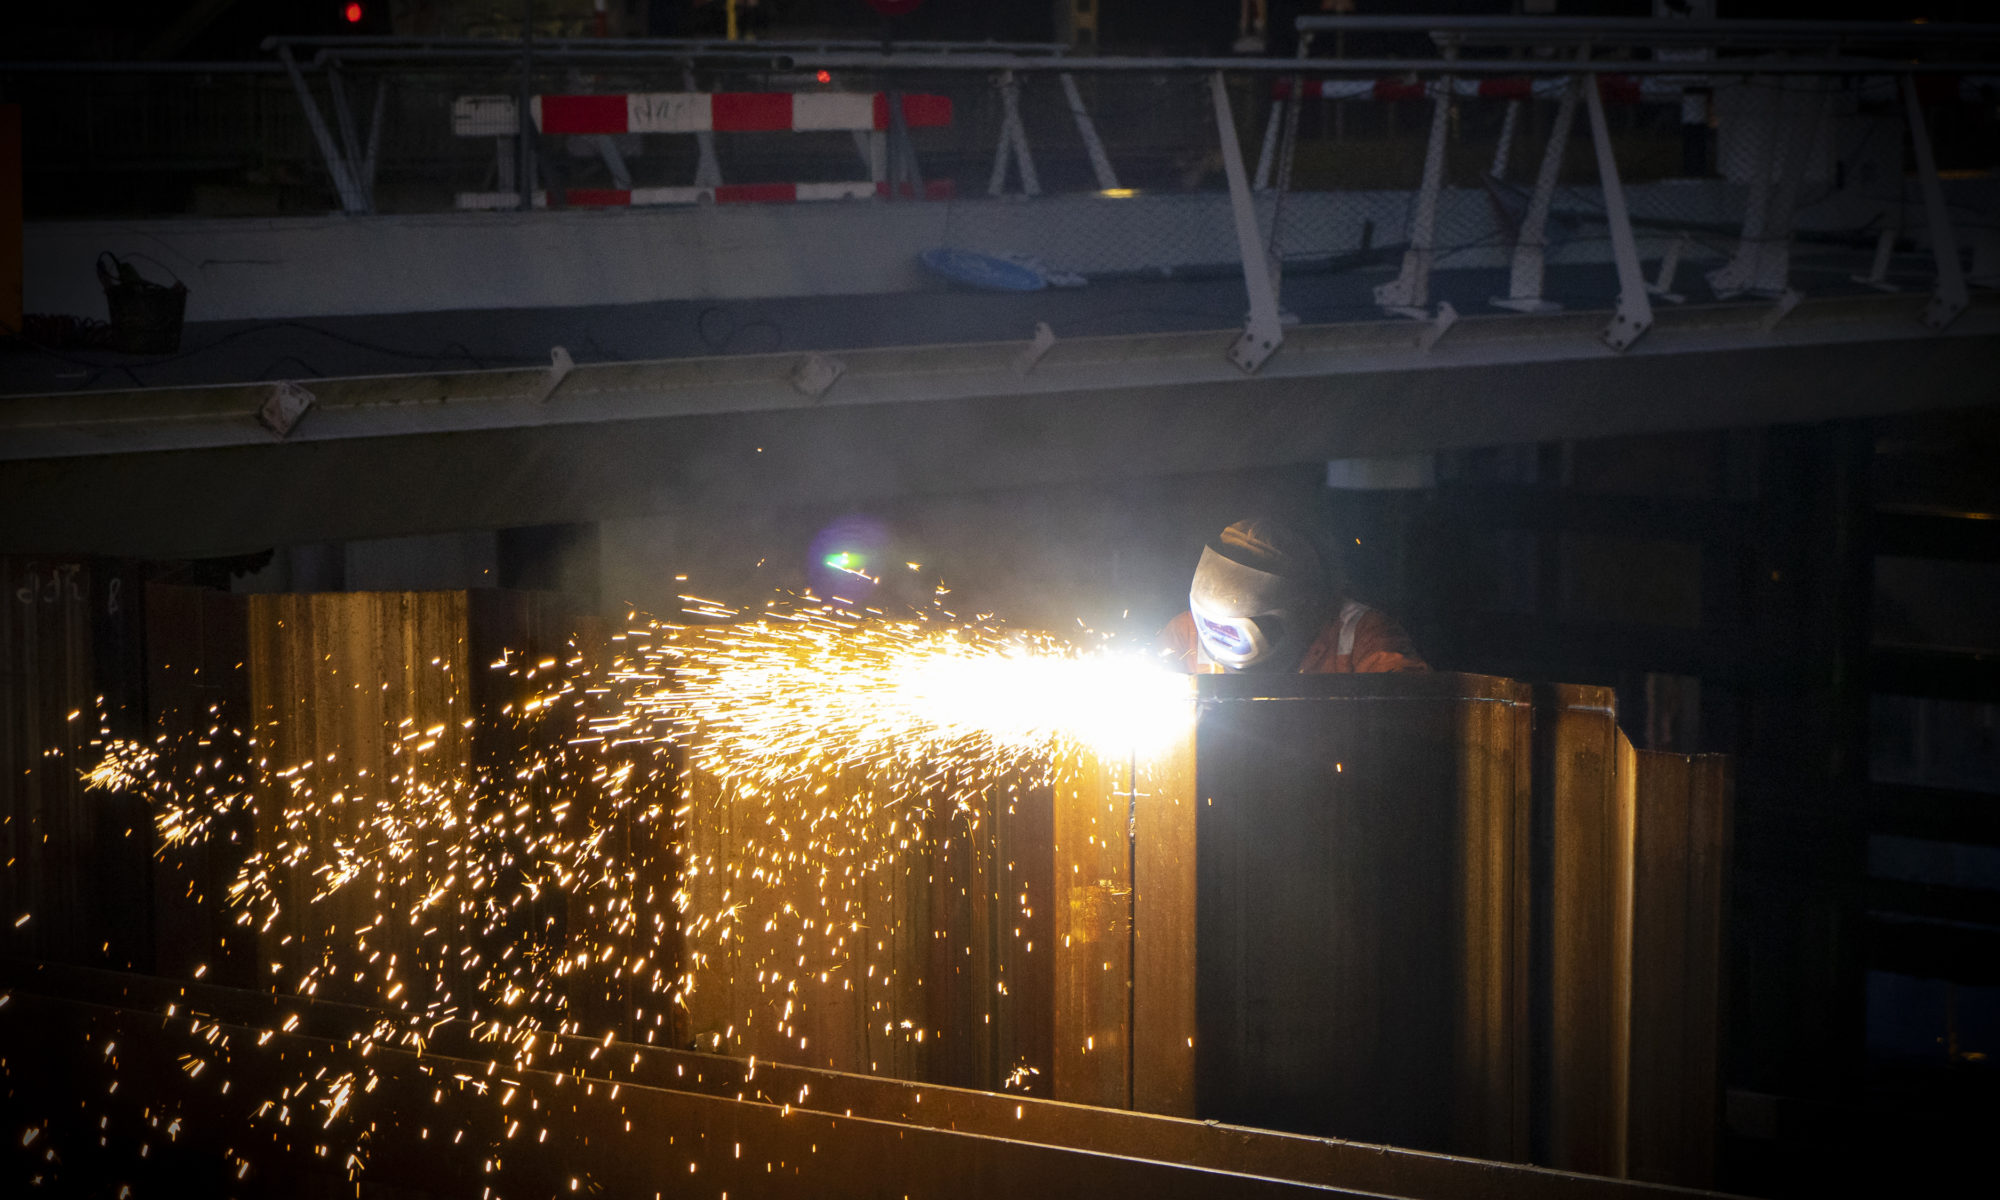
[346, 687]
[74, 876]
[196, 681]
[1361, 925]
[1584, 796]
[1682, 840]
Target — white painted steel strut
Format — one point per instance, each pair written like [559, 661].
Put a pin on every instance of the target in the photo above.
[1949, 299]
[1263, 334]
[1634, 313]
[1524, 279]
[1410, 292]
[1013, 143]
[1100, 163]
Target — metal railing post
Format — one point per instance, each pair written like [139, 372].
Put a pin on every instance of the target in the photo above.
[343, 182]
[1269, 153]
[1505, 146]
[1949, 299]
[1762, 262]
[1409, 293]
[1524, 280]
[524, 161]
[1634, 313]
[707, 171]
[1100, 163]
[1014, 141]
[373, 153]
[1263, 333]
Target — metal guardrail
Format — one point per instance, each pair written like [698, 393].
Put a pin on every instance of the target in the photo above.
[1765, 158]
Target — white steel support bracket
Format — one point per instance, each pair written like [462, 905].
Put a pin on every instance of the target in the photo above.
[1505, 148]
[1634, 314]
[1412, 286]
[1437, 326]
[1013, 143]
[1268, 155]
[1762, 262]
[1878, 271]
[1734, 276]
[360, 156]
[1100, 163]
[707, 171]
[1949, 299]
[1670, 262]
[1264, 332]
[1037, 347]
[560, 365]
[1787, 301]
[815, 373]
[283, 408]
[345, 185]
[1524, 278]
[614, 162]
[904, 173]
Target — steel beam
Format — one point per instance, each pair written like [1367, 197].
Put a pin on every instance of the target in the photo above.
[189, 471]
[1227, 1151]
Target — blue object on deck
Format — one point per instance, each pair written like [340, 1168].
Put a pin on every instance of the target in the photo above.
[983, 271]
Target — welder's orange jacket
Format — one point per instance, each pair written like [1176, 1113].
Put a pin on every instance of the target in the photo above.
[1359, 641]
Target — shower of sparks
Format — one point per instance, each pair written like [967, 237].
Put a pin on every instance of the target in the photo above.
[717, 833]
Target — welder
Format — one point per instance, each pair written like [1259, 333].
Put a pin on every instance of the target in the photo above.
[1265, 599]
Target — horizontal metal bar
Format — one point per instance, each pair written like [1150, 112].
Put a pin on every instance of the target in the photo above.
[1647, 30]
[1323, 1162]
[153, 419]
[513, 45]
[399, 455]
[71, 67]
[666, 1133]
[1316, 67]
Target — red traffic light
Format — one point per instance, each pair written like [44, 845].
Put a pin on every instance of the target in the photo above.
[353, 13]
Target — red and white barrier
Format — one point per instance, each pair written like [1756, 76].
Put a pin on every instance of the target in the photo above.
[734, 193]
[697, 112]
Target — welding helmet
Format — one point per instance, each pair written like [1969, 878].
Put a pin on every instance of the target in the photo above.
[1259, 596]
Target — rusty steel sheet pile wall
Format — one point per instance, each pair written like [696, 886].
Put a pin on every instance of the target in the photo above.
[75, 875]
[1124, 852]
[1583, 842]
[919, 928]
[1411, 910]
[197, 698]
[363, 703]
[1681, 846]
[1361, 915]
[1631, 886]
